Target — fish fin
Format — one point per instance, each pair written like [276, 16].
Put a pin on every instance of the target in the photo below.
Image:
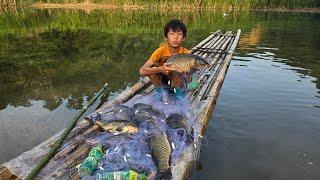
[190, 138]
[166, 175]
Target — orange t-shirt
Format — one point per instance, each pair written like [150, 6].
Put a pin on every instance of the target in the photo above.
[162, 54]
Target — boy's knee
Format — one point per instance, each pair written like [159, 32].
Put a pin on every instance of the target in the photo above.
[176, 81]
[155, 79]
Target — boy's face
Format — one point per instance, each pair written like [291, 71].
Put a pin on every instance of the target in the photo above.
[175, 38]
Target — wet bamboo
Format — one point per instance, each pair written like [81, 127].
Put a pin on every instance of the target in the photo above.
[216, 68]
[214, 46]
[209, 72]
[214, 92]
[213, 56]
[206, 40]
[127, 94]
[53, 150]
[75, 142]
[209, 44]
[188, 159]
[63, 168]
[5, 174]
[18, 165]
[80, 127]
[204, 113]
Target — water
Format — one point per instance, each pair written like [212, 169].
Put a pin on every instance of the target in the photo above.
[266, 122]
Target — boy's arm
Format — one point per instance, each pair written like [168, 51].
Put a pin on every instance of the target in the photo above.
[147, 69]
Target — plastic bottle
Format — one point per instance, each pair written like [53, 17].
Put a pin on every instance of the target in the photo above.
[87, 167]
[123, 175]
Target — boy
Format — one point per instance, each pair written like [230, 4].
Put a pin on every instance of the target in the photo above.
[156, 68]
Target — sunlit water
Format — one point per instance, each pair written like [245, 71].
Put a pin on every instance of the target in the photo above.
[266, 123]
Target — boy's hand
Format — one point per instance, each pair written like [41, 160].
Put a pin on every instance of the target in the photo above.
[165, 69]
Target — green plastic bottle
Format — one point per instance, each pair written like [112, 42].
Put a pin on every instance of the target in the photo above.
[120, 175]
[194, 84]
[87, 167]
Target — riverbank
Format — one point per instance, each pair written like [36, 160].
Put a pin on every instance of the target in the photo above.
[88, 6]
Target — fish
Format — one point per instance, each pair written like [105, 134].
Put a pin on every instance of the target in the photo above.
[142, 106]
[161, 152]
[123, 112]
[184, 63]
[157, 113]
[176, 121]
[148, 110]
[118, 126]
[145, 120]
[142, 115]
[147, 117]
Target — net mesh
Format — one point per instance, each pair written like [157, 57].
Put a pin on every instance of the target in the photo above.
[126, 151]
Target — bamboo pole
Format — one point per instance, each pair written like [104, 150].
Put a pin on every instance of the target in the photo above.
[217, 69]
[214, 69]
[64, 167]
[198, 52]
[80, 127]
[215, 45]
[127, 94]
[5, 174]
[53, 150]
[206, 40]
[208, 73]
[214, 92]
[75, 142]
[190, 155]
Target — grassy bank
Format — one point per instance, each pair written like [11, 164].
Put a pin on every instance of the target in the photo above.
[175, 4]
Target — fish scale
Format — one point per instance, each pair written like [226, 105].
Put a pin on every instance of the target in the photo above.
[161, 151]
[183, 63]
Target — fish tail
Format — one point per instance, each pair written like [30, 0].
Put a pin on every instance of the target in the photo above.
[166, 175]
[190, 138]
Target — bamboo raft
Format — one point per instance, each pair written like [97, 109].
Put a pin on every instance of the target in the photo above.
[218, 49]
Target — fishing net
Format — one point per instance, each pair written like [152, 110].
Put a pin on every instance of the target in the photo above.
[125, 151]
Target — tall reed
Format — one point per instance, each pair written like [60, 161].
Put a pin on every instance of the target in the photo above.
[230, 4]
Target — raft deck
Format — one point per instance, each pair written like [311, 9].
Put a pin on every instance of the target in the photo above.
[217, 49]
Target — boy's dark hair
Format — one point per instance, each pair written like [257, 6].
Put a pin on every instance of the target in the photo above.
[175, 25]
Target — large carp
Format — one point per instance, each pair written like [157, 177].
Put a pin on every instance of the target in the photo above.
[184, 63]
[176, 121]
[123, 112]
[161, 151]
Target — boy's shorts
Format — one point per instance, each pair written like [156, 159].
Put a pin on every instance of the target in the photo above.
[165, 79]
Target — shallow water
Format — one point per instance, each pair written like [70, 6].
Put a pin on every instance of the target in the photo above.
[266, 122]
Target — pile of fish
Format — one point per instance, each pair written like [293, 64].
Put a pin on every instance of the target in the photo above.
[141, 138]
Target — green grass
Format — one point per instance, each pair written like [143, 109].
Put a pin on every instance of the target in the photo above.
[237, 4]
